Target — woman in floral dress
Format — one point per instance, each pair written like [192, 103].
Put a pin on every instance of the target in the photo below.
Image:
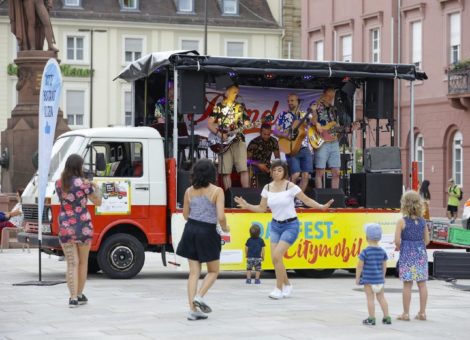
[75, 227]
[411, 237]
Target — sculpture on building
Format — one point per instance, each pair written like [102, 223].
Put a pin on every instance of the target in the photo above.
[30, 23]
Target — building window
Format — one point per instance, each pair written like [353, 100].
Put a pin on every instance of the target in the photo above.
[454, 30]
[132, 49]
[230, 7]
[346, 48]
[72, 3]
[319, 50]
[235, 49]
[416, 44]
[128, 108]
[419, 156]
[375, 45]
[129, 4]
[457, 159]
[75, 107]
[75, 48]
[190, 45]
[185, 6]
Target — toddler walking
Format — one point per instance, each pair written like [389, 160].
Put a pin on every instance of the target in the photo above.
[370, 272]
[254, 252]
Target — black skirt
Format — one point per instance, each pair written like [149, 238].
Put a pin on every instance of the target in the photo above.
[200, 242]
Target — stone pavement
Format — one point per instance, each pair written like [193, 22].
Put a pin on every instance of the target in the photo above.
[153, 306]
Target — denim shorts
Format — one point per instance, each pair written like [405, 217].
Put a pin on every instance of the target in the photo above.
[329, 154]
[302, 162]
[287, 232]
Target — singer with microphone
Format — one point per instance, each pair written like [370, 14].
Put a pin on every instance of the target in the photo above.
[291, 129]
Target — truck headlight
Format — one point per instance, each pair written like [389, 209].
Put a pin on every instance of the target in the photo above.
[49, 214]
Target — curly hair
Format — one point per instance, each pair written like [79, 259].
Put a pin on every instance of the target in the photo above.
[203, 174]
[279, 163]
[73, 168]
[411, 204]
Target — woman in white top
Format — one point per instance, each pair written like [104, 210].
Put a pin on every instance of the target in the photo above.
[279, 196]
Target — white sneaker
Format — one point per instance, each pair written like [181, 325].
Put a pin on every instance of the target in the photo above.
[276, 294]
[287, 290]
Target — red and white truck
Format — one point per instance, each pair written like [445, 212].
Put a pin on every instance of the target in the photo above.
[144, 165]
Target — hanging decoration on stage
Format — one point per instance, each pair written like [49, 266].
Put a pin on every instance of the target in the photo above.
[219, 146]
[291, 145]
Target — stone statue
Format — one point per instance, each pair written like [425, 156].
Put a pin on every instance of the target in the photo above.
[30, 23]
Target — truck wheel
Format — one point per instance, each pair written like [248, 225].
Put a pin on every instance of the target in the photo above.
[315, 273]
[93, 266]
[121, 256]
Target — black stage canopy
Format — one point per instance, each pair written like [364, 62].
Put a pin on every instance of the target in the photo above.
[191, 60]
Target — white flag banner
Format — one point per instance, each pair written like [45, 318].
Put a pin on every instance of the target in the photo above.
[49, 96]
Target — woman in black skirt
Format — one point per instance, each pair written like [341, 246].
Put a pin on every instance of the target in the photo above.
[203, 207]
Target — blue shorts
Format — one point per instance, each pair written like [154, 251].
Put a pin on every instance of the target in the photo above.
[329, 154]
[302, 162]
[287, 232]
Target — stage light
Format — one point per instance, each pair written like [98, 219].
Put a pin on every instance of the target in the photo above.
[307, 77]
[269, 76]
[232, 74]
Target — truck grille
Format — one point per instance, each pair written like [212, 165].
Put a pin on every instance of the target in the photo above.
[30, 213]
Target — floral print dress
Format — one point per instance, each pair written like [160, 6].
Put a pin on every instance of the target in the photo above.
[74, 219]
[413, 261]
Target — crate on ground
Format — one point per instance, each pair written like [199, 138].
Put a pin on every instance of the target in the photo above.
[459, 236]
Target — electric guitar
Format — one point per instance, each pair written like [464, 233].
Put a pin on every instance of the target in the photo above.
[316, 140]
[292, 144]
[219, 146]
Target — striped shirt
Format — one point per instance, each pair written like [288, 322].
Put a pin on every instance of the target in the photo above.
[373, 258]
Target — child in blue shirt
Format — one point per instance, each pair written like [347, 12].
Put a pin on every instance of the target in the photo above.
[370, 272]
[254, 252]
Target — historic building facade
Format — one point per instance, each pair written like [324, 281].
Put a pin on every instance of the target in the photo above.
[432, 34]
[111, 33]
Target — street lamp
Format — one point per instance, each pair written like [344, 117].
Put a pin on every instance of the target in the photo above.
[91, 30]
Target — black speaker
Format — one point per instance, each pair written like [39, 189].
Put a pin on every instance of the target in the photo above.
[375, 190]
[378, 100]
[324, 195]
[251, 195]
[191, 95]
[381, 159]
[184, 182]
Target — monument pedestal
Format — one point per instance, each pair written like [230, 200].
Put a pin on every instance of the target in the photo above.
[20, 139]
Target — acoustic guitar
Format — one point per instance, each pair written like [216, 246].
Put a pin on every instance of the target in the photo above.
[291, 145]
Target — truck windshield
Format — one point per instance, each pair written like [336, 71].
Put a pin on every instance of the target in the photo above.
[62, 148]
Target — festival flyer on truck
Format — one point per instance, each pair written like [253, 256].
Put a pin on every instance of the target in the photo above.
[116, 197]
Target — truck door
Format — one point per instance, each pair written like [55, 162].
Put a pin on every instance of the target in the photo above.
[123, 180]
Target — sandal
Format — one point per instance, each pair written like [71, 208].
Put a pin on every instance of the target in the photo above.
[421, 316]
[404, 317]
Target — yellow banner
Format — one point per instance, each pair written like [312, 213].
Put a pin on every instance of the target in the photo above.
[326, 240]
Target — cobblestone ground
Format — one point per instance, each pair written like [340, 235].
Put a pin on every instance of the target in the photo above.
[153, 306]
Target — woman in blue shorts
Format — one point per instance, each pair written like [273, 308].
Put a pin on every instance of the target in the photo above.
[279, 196]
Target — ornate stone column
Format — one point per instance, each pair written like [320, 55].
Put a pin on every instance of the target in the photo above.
[20, 139]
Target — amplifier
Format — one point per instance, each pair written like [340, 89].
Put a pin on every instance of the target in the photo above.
[374, 190]
[382, 159]
[324, 195]
[251, 195]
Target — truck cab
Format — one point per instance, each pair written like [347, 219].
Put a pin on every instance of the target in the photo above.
[128, 164]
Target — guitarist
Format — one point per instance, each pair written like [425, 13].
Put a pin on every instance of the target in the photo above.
[227, 116]
[300, 164]
[324, 117]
